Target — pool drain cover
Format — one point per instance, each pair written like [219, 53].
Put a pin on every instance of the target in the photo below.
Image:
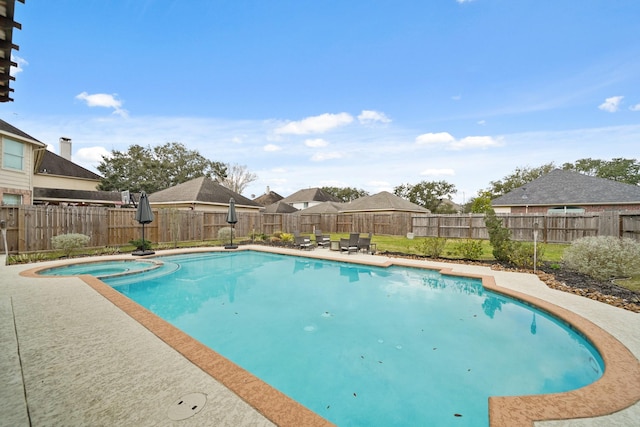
[187, 406]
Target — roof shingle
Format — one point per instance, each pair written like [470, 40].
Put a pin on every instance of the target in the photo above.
[202, 190]
[561, 187]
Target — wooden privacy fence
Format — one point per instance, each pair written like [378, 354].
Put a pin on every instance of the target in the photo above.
[551, 228]
[30, 228]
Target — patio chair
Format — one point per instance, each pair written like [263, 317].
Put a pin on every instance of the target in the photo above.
[303, 242]
[323, 240]
[364, 244]
[351, 244]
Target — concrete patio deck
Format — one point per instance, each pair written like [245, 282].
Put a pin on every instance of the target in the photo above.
[73, 354]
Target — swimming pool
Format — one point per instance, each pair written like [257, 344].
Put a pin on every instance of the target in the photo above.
[366, 345]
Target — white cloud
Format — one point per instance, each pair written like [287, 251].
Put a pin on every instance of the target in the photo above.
[316, 143]
[456, 97]
[91, 155]
[272, 147]
[315, 124]
[464, 1]
[438, 172]
[435, 138]
[370, 116]
[320, 157]
[612, 104]
[103, 100]
[476, 142]
[21, 62]
[635, 107]
[482, 122]
[446, 139]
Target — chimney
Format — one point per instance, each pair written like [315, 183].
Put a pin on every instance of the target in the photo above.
[268, 190]
[65, 148]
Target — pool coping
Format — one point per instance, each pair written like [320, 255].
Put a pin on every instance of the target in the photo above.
[617, 389]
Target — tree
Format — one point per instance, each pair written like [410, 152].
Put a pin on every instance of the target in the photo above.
[518, 178]
[238, 177]
[154, 169]
[346, 194]
[481, 203]
[428, 194]
[617, 169]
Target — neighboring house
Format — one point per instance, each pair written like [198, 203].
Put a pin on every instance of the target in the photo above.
[59, 181]
[201, 194]
[21, 153]
[279, 207]
[324, 208]
[562, 191]
[268, 198]
[383, 202]
[309, 197]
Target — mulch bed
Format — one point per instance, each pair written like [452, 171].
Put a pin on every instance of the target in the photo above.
[561, 279]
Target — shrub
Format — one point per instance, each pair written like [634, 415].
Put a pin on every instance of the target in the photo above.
[287, 237]
[258, 237]
[224, 233]
[27, 258]
[141, 245]
[468, 249]
[431, 246]
[67, 243]
[499, 236]
[521, 254]
[603, 257]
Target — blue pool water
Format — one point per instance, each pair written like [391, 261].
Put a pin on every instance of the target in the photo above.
[366, 346]
[102, 269]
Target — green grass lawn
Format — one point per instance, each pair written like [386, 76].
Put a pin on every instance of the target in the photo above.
[552, 251]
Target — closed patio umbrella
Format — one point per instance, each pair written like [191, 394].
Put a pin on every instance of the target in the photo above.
[232, 218]
[143, 216]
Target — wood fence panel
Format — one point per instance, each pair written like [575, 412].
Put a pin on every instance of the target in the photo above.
[630, 226]
[344, 223]
[609, 224]
[11, 217]
[553, 228]
[271, 223]
[123, 227]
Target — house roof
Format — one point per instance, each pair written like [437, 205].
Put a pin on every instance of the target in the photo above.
[10, 129]
[280, 207]
[200, 190]
[383, 201]
[268, 198]
[566, 188]
[324, 207]
[52, 164]
[58, 195]
[310, 195]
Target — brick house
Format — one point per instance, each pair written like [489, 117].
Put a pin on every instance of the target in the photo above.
[562, 191]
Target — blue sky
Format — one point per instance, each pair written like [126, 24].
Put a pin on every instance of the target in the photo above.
[366, 94]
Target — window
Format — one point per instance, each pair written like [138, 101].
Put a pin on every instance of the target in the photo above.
[12, 154]
[565, 210]
[11, 199]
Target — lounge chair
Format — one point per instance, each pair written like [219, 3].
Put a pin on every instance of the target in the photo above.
[323, 240]
[303, 242]
[351, 244]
